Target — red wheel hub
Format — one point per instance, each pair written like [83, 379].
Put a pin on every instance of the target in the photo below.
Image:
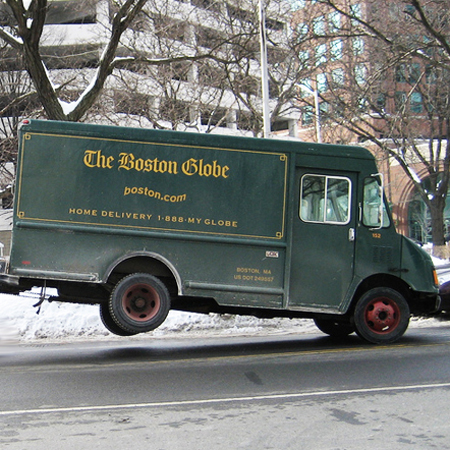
[141, 302]
[382, 315]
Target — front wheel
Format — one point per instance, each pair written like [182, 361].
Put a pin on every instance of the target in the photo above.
[334, 328]
[139, 303]
[381, 316]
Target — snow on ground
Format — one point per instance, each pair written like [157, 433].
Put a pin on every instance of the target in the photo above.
[65, 322]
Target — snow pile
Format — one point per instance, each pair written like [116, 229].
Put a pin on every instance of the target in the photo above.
[65, 321]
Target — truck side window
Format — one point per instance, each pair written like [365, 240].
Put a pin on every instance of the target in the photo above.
[373, 204]
[325, 199]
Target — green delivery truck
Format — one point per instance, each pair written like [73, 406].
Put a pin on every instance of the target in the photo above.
[141, 221]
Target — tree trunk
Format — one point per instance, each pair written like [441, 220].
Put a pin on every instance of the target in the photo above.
[44, 88]
[436, 207]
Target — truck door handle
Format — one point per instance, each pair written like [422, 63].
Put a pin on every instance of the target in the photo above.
[351, 234]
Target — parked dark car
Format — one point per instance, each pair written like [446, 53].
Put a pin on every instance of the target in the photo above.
[444, 292]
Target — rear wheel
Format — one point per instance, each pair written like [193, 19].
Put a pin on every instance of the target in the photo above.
[334, 328]
[139, 303]
[381, 316]
[109, 323]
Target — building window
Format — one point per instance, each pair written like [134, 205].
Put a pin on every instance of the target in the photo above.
[319, 26]
[303, 57]
[174, 111]
[306, 86]
[166, 28]
[133, 104]
[336, 50]
[429, 46]
[208, 38]
[334, 22]
[363, 104]
[307, 115]
[321, 54]
[302, 31]
[360, 74]
[70, 12]
[416, 103]
[321, 82]
[247, 84]
[297, 4]
[179, 71]
[338, 77]
[210, 75]
[408, 73]
[324, 111]
[239, 14]
[214, 117]
[358, 46]
[210, 5]
[414, 73]
[274, 25]
[410, 9]
[356, 12]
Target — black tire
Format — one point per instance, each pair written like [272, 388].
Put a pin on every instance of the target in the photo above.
[139, 303]
[381, 316]
[109, 323]
[334, 328]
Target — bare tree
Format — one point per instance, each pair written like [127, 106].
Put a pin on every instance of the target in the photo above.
[177, 77]
[395, 92]
[158, 46]
[209, 73]
[24, 33]
[16, 99]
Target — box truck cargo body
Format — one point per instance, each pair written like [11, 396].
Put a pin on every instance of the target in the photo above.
[142, 221]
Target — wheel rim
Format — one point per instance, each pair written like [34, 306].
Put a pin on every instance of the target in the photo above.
[141, 302]
[382, 315]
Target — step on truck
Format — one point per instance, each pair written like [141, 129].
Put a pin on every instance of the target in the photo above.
[142, 221]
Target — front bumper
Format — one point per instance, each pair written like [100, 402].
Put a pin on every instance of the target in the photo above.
[425, 304]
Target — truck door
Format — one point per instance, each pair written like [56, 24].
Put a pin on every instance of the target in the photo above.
[323, 239]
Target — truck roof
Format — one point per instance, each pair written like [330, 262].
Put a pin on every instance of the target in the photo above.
[178, 138]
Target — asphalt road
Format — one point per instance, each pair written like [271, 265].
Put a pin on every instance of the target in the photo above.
[276, 392]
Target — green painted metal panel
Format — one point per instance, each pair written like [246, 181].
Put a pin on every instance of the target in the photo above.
[323, 257]
[151, 185]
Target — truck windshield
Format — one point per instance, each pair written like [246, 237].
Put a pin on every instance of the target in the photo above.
[374, 209]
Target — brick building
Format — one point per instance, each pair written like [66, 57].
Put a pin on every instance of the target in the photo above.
[378, 78]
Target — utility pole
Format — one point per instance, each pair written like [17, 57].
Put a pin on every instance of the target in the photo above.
[264, 74]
